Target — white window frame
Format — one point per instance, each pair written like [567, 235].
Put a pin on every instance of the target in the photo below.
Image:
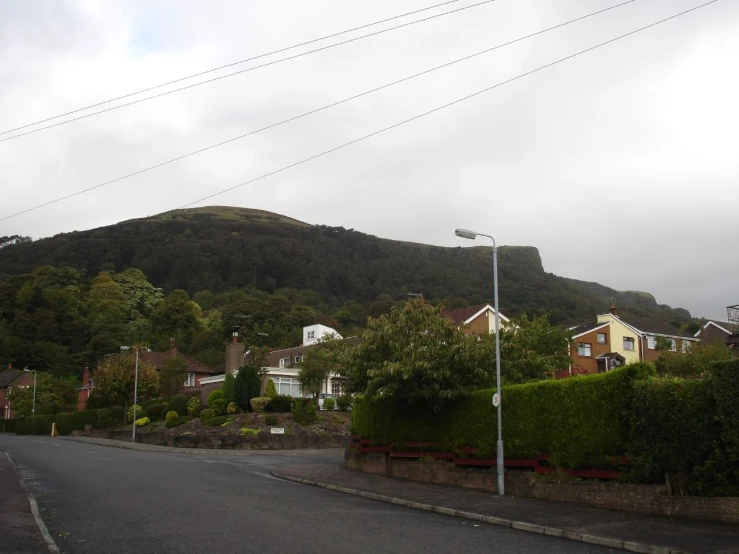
[287, 386]
[673, 345]
[190, 382]
[631, 342]
[285, 362]
[298, 359]
[652, 342]
[582, 347]
[598, 337]
[310, 335]
[685, 346]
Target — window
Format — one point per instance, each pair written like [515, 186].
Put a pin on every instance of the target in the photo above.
[673, 345]
[651, 342]
[685, 345]
[583, 349]
[287, 386]
[628, 343]
[311, 335]
[337, 387]
[285, 362]
[298, 359]
[601, 338]
[190, 380]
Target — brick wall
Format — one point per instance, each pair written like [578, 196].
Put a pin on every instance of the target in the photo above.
[645, 499]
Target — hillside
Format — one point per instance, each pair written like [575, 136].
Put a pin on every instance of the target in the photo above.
[221, 248]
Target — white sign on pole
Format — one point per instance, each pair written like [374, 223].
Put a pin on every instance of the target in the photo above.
[277, 430]
[496, 400]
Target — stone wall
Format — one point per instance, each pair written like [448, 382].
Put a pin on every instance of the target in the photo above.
[646, 499]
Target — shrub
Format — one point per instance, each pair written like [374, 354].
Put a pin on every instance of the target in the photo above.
[7, 425]
[229, 382]
[153, 401]
[192, 404]
[177, 421]
[270, 391]
[213, 396]
[304, 411]
[249, 432]
[155, 411]
[580, 421]
[726, 387]
[178, 404]
[134, 412]
[258, 403]
[199, 408]
[218, 406]
[280, 404]
[110, 417]
[73, 421]
[248, 384]
[329, 403]
[207, 414]
[270, 419]
[344, 402]
[232, 408]
[171, 415]
[216, 421]
[142, 422]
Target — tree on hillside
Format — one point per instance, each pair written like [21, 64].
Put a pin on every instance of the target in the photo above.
[53, 396]
[114, 380]
[172, 376]
[141, 296]
[415, 355]
[176, 317]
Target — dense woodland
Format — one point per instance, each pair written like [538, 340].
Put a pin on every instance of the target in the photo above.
[198, 275]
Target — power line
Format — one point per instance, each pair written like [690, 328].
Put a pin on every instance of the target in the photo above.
[444, 106]
[387, 85]
[228, 74]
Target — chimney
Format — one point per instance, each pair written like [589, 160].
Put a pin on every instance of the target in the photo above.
[612, 310]
[172, 347]
[235, 352]
[86, 377]
[234, 337]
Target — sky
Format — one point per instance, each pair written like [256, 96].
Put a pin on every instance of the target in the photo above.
[620, 165]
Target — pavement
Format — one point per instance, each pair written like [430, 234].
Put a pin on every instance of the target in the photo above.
[617, 529]
[98, 499]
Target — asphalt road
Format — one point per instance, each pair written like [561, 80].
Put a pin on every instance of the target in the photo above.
[97, 499]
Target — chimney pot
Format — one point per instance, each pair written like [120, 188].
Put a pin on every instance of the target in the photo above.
[613, 309]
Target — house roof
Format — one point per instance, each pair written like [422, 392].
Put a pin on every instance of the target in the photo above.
[722, 325]
[585, 328]
[464, 315]
[8, 376]
[652, 326]
[157, 359]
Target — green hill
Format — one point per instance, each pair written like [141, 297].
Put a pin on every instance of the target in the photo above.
[222, 248]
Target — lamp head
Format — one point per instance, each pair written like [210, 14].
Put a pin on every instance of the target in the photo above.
[465, 234]
[124, 348]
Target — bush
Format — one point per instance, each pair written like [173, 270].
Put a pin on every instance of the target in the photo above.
[110, 417]
[148, 403]
[199, 408]
[344, 402]
[270, 419]
[726, 387]
[207, 414]
[213, 396]
[178, 404]
[270, 391]
[280, 404]
[232, 408]
[218, 406]
[258, 403]
[329, 403]
[229, 382]
[7, 425]
[177, 421]
[580, 421]
[217, 421]
[155, 411]
[134, 412]
[142, 422]
[192, 404]
[304, 411]
[171, 415]
[75, 421]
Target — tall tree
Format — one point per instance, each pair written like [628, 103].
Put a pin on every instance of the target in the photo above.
[53, 396]
[176, 317]
[114, 380]
[172, 376]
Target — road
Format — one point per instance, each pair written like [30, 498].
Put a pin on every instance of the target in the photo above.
[97, 499]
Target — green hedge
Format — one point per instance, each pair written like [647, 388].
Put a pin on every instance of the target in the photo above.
[71, 421]
[177, 421]
[156, 411]
[7, 425]
[178, 404]
[217, 421]
[580, 421]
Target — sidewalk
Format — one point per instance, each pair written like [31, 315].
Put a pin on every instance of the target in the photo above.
[207, 451]
[615, 529]
[18, 531]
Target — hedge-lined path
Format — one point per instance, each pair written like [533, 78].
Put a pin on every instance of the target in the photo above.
[663, 534]
[97, 499]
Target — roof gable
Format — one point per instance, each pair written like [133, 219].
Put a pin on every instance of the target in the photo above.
[722, 326]
[461, 316]
[158, 359]
[8, 376]
[654, 327]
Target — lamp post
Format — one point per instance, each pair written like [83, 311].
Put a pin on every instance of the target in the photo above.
[467, 234]
[135, 388]
[33, 408]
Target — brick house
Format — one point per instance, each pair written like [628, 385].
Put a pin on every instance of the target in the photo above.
[196, 370]
[10, 379]
[477, 319]
[651, 329]
[714, 332]
[83, 393]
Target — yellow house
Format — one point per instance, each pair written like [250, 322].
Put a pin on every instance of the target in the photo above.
[625, 339]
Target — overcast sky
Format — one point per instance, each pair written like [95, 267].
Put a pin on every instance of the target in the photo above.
[620, 165]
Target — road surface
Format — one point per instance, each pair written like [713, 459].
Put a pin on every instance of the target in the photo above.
[97, 499]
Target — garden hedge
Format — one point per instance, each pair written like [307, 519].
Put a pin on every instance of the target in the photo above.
[177, 421]
[156, 411]
[68, 422]
[178, 404]
[582, 421]
[7, 425]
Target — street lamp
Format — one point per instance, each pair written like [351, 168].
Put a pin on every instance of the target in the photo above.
[33, 409]
[467, 234]
[135, 388]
